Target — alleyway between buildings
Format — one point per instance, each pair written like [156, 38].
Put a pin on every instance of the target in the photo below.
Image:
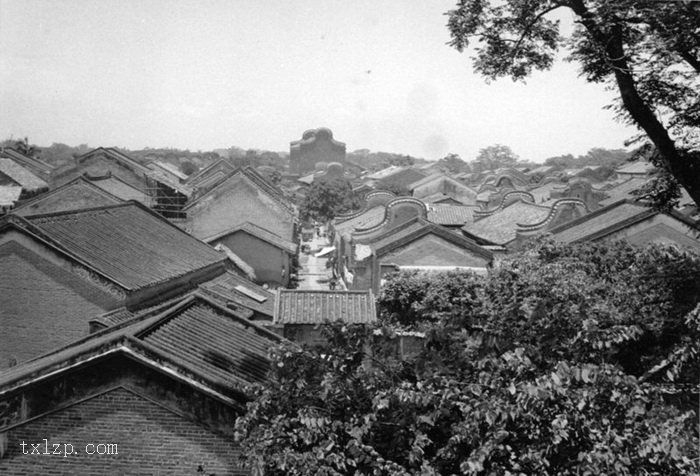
[313, 274]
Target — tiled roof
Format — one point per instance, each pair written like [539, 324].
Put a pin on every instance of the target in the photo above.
[414, 229]
[428, 179]
[440, 197]
[369, 218]
[397, 233]
[124, 314]
[315, 307]
[484, 196]
[170, 168]
[542, 193]
[404, 177]
[601, 222]
[213, 342]
[121, 189]
[127, 243]
[219, 166]
[21, 175]
[166, 178]
[253, 177]
[266, 185]
[623, 190]
[194, 339]
[230, 286]
[500, 227]
[78, 193]
[571, 171]
[381, 174]
[639, 167]
[116, 155]
[258, 232]
[9, 194]
[38, 166]
[450, 214]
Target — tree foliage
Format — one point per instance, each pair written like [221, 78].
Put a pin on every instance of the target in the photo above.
[648, 51]
[397, 187]
[595, 156]
[494, 157]
[453, 164]
[567, 360]
[380, 160]
[327, 198]
[187, 167]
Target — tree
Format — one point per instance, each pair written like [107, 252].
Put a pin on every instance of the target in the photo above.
[649, 51]
[187, 167]
[24, 147]
[494, 157]
[394, 186]
[567, 360]
[327, 198]
[453, 163]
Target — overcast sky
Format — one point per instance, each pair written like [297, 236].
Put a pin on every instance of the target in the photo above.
[202, 74]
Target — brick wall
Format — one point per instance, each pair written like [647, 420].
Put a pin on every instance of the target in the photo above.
[270, 263]
[42, 306]
[150, 440]
[234, 203]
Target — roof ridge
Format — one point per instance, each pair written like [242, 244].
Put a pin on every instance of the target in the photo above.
[252, 228]
[79, 179]
[199, 173]
[143, 323]
[392, 203]
[594, 214]
[38, 234]
[325, 291]
[82, 210]
[442, 232]
[114, 153]
[240, 171]
[553, 210]
[502, 205]
[394, 229]
[366, 207]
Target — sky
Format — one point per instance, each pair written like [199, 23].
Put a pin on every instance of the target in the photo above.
[208, 74]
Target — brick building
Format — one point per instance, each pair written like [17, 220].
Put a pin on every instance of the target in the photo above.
[315, 146]
[164, 388]
[166, 196]
[270, 255]
[74, 195]
[300, 313]
[58, 270]
[396, 234]
[518, 218]
[440, 188]
[632, 222]
[253, 219]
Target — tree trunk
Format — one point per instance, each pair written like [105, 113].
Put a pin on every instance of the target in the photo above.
[685, 170]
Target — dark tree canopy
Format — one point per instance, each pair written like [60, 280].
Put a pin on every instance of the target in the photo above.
[566, 360]
[494, 157]
[453, 164]
[327, 198]
[648, 51]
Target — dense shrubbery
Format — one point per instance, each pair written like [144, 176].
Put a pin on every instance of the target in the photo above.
[567, 360]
